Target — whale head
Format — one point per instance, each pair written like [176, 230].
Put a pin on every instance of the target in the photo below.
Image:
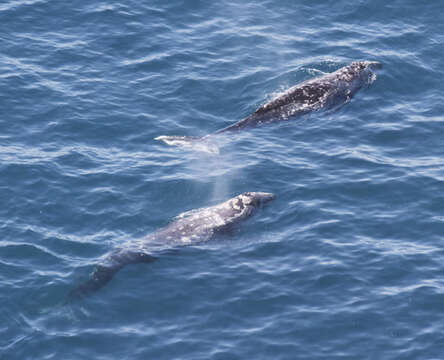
[246, 204]
[366, 65]
[358, 74]
[255, 199]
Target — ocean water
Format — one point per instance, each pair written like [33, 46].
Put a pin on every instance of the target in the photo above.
[346, 263]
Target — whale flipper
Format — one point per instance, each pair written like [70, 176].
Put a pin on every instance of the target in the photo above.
[203, 144]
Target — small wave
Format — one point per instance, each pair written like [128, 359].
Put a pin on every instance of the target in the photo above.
[17, 3]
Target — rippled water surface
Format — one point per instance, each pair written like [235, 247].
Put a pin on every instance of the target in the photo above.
[346, 263]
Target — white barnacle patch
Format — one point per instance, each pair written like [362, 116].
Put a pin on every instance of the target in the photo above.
[236, 205]
[246, 200]
[185, 239]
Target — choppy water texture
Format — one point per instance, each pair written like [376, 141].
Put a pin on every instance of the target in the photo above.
[346, 263]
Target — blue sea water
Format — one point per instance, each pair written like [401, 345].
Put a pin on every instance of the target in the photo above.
[346, 263]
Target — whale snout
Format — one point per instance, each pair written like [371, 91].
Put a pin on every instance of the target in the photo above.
[366, 65]
[266, 197]
[374, 65]
[261, 198]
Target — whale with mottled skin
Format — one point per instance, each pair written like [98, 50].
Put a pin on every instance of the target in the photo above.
[189, 228]
[323, 93]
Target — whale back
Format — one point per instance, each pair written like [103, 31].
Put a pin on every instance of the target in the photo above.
[327, 92]
[202, 224]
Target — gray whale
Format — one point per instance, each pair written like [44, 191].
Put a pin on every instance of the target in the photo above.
[326, 92]
[189, 228]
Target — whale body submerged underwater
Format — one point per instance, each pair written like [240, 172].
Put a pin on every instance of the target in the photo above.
[323, 93]
[192, 227]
